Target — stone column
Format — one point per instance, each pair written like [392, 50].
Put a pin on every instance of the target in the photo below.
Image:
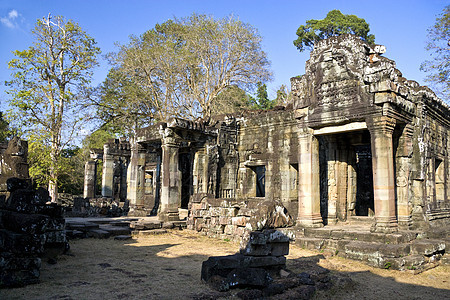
[132, 174]
[309, 181]
[90, 176]
[381, 129]
[331, 176]
[171, 183]
[403, 160]
[108, 173]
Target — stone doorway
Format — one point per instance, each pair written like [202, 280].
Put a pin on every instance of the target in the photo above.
[364, 205]
[346, 184]
[185, 167]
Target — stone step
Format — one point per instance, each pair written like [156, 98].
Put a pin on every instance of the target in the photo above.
[116, 230]
[361, 220]
[360, 235]
[427, 247]
[145, 225]
[120, 223]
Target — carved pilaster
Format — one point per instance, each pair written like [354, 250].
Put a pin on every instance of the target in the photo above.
[309, 181]
[381, 130]
[90, 176]
[171, 177]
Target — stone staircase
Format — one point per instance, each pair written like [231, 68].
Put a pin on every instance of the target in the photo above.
[403, 250]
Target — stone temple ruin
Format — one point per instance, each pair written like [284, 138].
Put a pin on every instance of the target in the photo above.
[357, 143]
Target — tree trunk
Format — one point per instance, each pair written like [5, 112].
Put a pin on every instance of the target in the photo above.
[53, 181]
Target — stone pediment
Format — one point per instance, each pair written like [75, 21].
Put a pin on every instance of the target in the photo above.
[347, 79]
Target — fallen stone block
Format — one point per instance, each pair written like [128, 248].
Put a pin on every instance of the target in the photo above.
[249, 277]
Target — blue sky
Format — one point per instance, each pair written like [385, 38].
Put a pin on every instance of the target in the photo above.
[399, 25]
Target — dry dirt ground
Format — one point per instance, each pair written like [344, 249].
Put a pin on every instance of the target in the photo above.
[167, 266]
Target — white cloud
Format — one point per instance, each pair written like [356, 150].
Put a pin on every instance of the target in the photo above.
[13, 14]
[10, 20]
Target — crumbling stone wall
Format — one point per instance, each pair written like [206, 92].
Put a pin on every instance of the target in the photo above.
[30, 229]
[13, 161]
[233, 220]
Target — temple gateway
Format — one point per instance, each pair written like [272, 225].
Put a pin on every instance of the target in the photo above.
[356, 141]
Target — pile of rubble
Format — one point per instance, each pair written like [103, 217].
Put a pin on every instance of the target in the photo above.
[259, 271]
[30, 230]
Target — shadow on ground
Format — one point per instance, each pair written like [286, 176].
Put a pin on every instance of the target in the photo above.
[168, 266]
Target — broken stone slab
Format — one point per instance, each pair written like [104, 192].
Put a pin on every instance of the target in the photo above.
[220, 265]
[98, 234]
[266, 242]
[263, 261]
[115, 230]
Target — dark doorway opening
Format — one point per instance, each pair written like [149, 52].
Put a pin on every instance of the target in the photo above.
[185, 166]
[364, 176]
[260, 181]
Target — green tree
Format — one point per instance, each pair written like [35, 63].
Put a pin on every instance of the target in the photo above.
[231, 99]
[4, 129]
[262, 98]
[122, 104]
[184, 64]
[334, 24]
[46, 82]
[439, 46]
[282, 95]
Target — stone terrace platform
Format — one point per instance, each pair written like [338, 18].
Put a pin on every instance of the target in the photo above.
[403, 250]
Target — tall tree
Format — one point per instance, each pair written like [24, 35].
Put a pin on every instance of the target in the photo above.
[46, 80]
[184, 64]
[262, 97]
[439, 46]
[334, 24]
[122, 104]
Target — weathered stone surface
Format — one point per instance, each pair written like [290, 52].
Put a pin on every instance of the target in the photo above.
[427, 247]
[248, 277]
[20, 243]
[14, 184]
[270, 214]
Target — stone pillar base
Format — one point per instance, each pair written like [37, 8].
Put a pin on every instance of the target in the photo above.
[310, 221]
[169, 216]
[385, 225]
[404, 222]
